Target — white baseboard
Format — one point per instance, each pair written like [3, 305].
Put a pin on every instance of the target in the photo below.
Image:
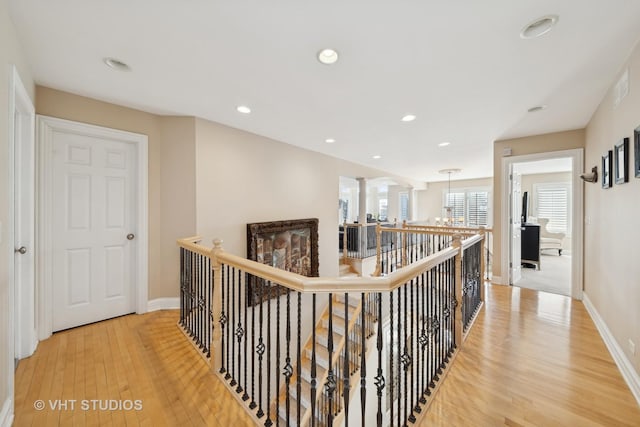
[6, 416]
[163, 304]
[626, 368]
[496, 280]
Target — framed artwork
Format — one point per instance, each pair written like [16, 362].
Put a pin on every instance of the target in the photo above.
[622, 161]
[289, 245]
[607, 165]
[636, 150]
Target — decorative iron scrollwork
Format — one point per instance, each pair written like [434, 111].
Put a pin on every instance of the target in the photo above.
[223, 319]
[378, 380]
[239, 332]
[405, 359]
[260, 348]
[288, 370]
[330, 385]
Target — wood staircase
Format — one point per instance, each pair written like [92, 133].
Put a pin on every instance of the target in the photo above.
[341, 330]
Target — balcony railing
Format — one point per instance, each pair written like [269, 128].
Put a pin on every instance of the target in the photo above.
[317, 355]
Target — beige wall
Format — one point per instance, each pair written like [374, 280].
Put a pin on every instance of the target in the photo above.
[171, 194]
[550, 142]
[243, 178]
[429, 201]
[612, 251]
[10, 54]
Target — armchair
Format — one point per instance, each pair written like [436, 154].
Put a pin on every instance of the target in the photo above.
[549, 240]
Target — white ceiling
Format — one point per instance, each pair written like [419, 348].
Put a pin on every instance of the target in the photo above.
[460, 66]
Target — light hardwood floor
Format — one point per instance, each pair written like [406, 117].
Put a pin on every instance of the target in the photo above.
[532, 359]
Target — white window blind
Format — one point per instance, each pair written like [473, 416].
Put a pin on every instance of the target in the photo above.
[470, 204]
[404, 206]
[477, 208]
[552, 202]
[456, 202]
[382, 209]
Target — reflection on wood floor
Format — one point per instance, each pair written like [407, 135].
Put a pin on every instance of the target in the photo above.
[532, 359]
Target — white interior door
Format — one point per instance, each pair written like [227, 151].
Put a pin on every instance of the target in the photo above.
[22, 149]
[516, 228]
[93, 228]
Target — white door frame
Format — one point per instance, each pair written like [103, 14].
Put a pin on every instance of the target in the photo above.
[19, 103]
[577, 214]
[46, 126]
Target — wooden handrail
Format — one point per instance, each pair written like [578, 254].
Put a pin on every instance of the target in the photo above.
[305, 284]
[471, 241]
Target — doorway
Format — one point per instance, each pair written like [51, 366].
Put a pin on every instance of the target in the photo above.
[549, 219]
[93, 224]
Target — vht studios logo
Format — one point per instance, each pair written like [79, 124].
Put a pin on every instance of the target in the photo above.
[88, 405]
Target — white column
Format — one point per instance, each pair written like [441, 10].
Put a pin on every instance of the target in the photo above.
[362, 200]
[410, 203]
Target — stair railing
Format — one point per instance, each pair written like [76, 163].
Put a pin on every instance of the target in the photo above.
[234, 312]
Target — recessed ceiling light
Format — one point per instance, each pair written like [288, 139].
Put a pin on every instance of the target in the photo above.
[537, 108]
[377, 156]
[408, 118]
[329, 140]
[116, 64]
[443, 144]
[539, 27]
[243, 109]
[328, 56]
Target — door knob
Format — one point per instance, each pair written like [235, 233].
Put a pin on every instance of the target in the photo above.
[131, 236]
[21, 250]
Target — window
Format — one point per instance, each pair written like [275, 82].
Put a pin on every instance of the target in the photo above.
[382, 209]
[553, 202]
[477, 208]
[472, 205]
[404, 206]
[455, 201]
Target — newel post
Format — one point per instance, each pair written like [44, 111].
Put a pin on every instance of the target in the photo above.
[457, 243]
[216, 348]
[483, 261]
[378, 270]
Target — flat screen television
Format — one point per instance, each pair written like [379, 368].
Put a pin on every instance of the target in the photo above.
[525, 207]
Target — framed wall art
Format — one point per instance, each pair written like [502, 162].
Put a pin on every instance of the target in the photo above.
[290, 245]
[607, 165]
[622, 161]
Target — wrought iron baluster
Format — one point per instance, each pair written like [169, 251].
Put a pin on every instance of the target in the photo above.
[414, 400]
[400, 358]
[363, 366]
[299, 360]
[379, 378]
[232, 297]
[347, 368]
[270, 292]
[223, 321]
[250, 296]
[423, 337]
[391, 350]
[239, 332]
[260, 347]
[278, 362]
[245, 396]
[288, 370]
[314, 383]
[330, 385]
[406, 362]
[229, 340]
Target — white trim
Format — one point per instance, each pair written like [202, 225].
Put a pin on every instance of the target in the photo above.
[577, 219]
[6, 415]
[46, 126]
[624, 365]
[163, 304]
[496, 280]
